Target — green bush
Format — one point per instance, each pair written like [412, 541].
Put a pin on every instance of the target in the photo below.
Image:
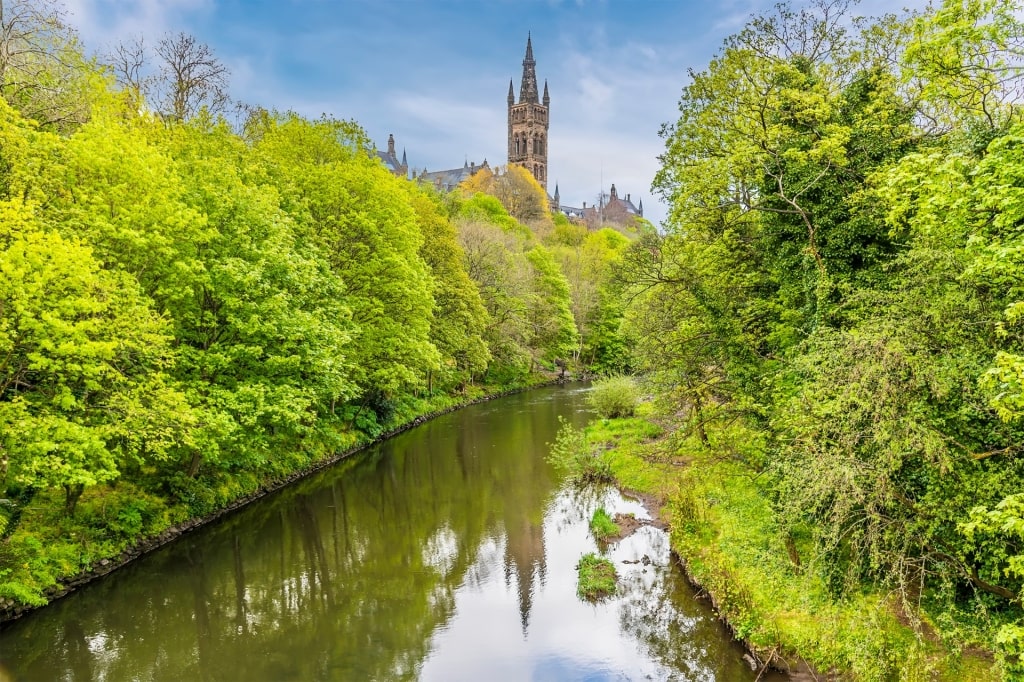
[597, 577]
[614, 397]
[571, 452]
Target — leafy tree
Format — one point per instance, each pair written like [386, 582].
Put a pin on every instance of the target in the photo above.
[517, 190]
[265, 333]
[495, 261]
[587, 260]
[359, 215]
[962, 63]
[83, 386]
[553, 330]
[460, 320]
[43, 72]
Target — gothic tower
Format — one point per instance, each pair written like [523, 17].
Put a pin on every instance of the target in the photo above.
[528, 122]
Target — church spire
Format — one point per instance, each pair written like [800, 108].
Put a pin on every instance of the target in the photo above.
[547, 97]
[511, 93]
[528, 90]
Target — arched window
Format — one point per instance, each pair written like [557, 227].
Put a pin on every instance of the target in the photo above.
[517, 145]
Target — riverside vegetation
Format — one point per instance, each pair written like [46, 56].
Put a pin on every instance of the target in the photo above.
[191, 311]
[827, 326]
[829, 330]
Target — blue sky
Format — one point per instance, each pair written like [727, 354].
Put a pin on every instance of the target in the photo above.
[436, 73]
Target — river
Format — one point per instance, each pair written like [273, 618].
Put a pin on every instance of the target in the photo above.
[446, 553]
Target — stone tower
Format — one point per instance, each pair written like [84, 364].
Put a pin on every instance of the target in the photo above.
[528, 122]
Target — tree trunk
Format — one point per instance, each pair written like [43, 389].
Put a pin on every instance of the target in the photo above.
[193, 466]
[794, 556]
[72, 491]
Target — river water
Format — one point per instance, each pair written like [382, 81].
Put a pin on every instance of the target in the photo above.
[446, 553]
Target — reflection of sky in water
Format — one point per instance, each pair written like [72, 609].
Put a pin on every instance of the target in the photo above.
[447, 553]
[567, 638]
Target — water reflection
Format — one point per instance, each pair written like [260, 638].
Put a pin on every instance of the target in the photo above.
[447, 553]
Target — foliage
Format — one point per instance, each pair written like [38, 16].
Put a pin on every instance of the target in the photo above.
[588, 260]
[526, 295]
[515, 187]
[189, 313]
[597, 577]
[43, 73]
[724, 529]
[572, 453]
[81, 388]
[615, 396]
[460, 319]
[839, 282]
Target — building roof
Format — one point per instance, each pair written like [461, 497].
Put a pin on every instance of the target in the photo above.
[390, 159]
[448, 180]
[614, 209]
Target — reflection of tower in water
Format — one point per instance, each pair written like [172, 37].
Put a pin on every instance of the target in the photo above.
[524, 554]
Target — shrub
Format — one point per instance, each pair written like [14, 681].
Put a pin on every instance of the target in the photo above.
[571, 452]
[614, 397]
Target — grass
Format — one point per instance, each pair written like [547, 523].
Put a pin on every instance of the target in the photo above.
[602, 525]
[723, 528]
[597, 577]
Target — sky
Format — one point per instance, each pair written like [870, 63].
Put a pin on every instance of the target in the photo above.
[435, 73]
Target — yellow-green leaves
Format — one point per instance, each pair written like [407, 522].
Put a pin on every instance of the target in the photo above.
[78, 346]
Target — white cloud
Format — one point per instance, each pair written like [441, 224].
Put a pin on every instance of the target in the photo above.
[103, 23]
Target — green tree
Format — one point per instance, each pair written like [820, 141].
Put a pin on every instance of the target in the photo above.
[264, 334]
[460, 320]
[553, 330]
[360, 216]
[83, 388]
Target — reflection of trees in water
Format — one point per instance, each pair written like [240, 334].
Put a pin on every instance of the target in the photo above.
[659, 610]
[329, 579]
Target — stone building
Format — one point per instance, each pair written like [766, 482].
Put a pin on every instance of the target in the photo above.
[444, 180]
[528, 121]
[611, 209]
[391, 162]
[447, 180]
[528, 124]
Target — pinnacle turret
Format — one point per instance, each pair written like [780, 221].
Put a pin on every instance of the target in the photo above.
[528, 90]
[547, 97]
[511, 93]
